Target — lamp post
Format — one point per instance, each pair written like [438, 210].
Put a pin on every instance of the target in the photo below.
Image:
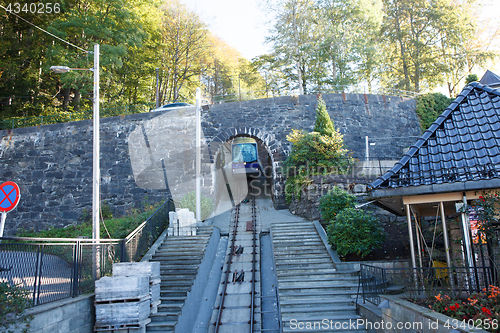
[96, 176]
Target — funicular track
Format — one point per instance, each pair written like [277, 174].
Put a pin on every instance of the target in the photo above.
[238, 305]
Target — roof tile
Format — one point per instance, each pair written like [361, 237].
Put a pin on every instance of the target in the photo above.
[461, 145]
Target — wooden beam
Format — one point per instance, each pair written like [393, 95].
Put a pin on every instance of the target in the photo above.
[442, 197]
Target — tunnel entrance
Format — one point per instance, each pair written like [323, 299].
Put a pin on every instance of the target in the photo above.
[243, 165]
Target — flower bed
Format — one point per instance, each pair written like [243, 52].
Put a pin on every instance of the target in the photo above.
[480, 309]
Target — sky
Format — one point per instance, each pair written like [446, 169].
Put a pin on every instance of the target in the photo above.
[243, 25]
[240, 23]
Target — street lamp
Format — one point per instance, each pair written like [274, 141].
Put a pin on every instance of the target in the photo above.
[96, 178]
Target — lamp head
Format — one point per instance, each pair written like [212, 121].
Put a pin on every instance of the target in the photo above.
[60, 69]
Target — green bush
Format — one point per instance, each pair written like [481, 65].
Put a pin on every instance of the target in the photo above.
[323, 124]
[13, 302]
[334, 201]
[189, 202]
[321, 152]
[430, 106]
[354, 231]
[118, 227]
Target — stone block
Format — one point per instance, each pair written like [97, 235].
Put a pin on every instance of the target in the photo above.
[121, 288]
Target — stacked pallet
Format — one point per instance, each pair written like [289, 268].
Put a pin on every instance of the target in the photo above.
[124, 301]
[149, 269]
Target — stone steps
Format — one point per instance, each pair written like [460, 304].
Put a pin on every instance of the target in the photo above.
[311, 289]
[179, 259]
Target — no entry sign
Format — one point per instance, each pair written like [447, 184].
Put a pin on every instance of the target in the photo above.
[9, 196]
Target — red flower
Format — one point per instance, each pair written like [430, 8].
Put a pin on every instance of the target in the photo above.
[487, 311]
[482, 198]
[446, 309]
[453, 308]
[457, 306]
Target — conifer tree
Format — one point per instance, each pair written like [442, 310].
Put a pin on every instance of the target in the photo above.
[323, 125]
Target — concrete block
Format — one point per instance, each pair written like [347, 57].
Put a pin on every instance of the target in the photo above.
[121, 288]
[124, 313]
[151, 269]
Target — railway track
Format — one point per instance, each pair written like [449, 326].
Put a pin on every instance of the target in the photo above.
[238, 302]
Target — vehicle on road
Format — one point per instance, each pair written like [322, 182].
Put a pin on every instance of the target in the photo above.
[173, 106]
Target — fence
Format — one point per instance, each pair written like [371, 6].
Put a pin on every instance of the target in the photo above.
[49, 269]
[73, 116]
[216, 99]
[138, 242]
[418, 282]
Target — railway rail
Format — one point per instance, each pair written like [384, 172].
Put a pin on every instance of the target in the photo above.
[238, 299]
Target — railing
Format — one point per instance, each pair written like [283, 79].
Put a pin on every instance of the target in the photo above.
[55, 268]
[347, 89]
[137, 243]
[73, 116]
[216, 99]
[418, 282]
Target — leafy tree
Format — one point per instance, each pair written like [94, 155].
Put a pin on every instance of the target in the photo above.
[354, 231]
[471, 78]
[430, 106]
[185, 39]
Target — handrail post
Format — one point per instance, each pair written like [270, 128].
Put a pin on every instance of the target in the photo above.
[123, 249]
[76, 270]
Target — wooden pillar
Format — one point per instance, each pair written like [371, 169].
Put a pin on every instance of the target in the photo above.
[410, 232]
[447, 246]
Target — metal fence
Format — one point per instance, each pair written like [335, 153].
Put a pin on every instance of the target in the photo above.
[138, 242]
[74, 116]
[50, 269]
[422, 282]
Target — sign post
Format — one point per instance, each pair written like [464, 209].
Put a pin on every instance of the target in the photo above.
[9, 198]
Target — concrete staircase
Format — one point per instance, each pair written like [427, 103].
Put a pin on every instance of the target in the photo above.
[311, 289]
[179, 257]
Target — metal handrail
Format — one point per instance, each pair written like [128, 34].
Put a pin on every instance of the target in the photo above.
[143, 224]
[67, 240]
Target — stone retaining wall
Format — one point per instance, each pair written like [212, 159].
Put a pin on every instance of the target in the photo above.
[53, 163]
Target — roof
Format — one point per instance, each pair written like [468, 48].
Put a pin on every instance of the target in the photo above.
[490, 79]
[459, 151]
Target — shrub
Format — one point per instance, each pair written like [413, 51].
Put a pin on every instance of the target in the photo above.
[334, 201]
[13, 302]
[323, 124]
[430, 106]
[189, 202]
[321, 152]
[354, 231]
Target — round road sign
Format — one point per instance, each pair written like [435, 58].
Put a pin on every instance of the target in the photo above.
[9, 196]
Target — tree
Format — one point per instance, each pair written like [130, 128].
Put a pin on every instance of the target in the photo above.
[315, 153]
[430, 106]
[429, 43]
[293, 37]
[185, 39]
[323, 123]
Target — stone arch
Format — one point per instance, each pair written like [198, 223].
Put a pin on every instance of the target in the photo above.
[275, 151]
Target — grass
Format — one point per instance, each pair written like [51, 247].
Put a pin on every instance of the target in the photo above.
[118, 227]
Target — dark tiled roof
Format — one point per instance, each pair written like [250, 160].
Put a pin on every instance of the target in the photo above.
[462, 145]
[490, 79]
